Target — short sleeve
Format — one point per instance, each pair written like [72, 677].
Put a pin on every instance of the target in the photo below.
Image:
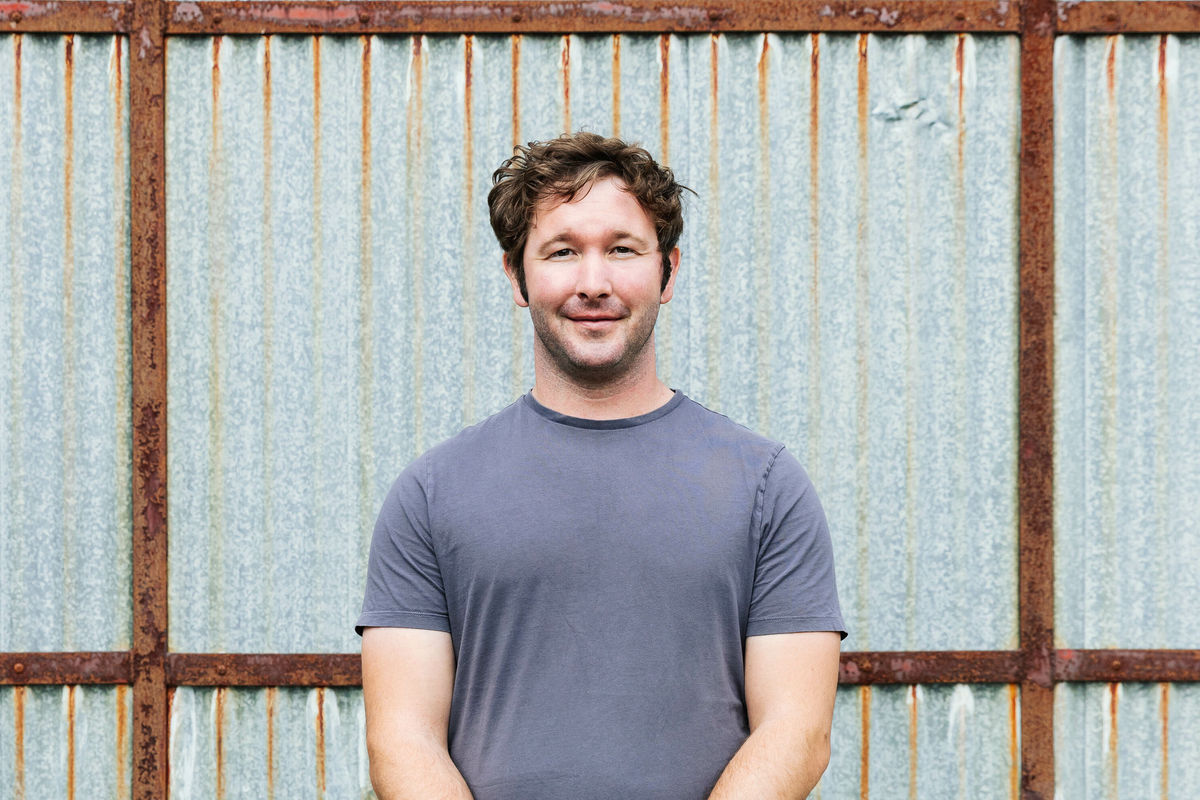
[404, 582]
[794, 589]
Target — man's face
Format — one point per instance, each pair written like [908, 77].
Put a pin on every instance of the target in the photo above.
[593, 274]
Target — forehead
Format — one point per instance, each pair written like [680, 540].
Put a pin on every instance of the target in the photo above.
[605, 203]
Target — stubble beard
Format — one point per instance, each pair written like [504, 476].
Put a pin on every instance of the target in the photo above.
[590, 374]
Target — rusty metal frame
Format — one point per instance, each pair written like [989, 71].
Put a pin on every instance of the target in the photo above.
[1036, 666]
[592, 16]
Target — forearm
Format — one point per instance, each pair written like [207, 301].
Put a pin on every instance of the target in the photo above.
[415, 769]
[777, 762]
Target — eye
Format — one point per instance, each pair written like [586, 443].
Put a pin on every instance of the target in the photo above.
[622, 250]
[563, 253]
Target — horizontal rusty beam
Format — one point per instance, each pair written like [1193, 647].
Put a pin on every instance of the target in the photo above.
[65, 669]
[857, 668]
[1115, 666]
[1115, 16]
[934, 666]
[252, 669]
[67, 16]
[588, 16]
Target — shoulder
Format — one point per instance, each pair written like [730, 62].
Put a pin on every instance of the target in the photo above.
[722, 431]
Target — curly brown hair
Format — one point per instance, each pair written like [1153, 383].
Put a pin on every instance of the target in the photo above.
[563, 167]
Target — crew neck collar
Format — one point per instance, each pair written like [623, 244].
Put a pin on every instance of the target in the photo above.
[603, 424]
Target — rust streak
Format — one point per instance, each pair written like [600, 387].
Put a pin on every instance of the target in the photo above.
[320, 745]
[268, 321]
[713, 322]
[664, 97]
[366, 293]
[19, 740]
[516, 89]
[272, 694]
[468, 229]
[616, 84]
[1014, 755]
[912, 742]
[468, 125]
[565, 56]
[414, 126]
[219, 738]
[1164, 712]
[814, 228]
[71, 742]
[69, 400]
[863, 345]
[864, 767]
[122, 743]
[1114, 690]
[762, 269]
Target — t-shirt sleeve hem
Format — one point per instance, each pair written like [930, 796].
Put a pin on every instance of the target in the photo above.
[762, 627]
[401, 619]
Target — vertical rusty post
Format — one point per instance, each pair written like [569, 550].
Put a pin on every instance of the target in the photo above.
[147, 156]
[1036, 388]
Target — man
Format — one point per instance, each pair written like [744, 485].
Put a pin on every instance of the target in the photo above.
[605, 591]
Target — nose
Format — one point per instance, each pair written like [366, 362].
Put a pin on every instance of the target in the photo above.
[592, 280]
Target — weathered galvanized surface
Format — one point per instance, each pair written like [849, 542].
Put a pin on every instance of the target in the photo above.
[65, 741]
[924, 742]
[268, 743]
[64, 362]
[336, 304]
[921, 741]
[1118, 740]
[1127, 396]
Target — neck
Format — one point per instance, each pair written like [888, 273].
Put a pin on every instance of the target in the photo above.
[636, 392]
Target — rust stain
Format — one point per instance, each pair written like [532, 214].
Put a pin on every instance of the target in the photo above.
[320, 723]
[468, 215]
[912, 742]
[414, 124]
[366, 293]
[121, 273]
[713, 349]
[70, 420]
[122, 741]
[219, 739]
[616, 84]
[272, 694]
[862, 309]
[1113, 739]
[1014, 754]
[516, 330]
[19, 738]
[664, 97]
[1164, 712]
[516, 89]
[864, 767]
[1110, 65]
[268, 314]
[762, 271]
[565, 55]
[71, 742]
[814, 227]
[216, 259]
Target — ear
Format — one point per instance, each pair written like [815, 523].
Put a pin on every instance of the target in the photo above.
[669, 291]
[511, 273]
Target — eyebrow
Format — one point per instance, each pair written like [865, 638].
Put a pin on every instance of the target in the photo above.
[568, 237]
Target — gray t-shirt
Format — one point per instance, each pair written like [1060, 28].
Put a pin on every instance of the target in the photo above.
[598, 579]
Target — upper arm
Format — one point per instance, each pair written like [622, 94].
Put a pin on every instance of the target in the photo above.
[792, 677]
[408, 680]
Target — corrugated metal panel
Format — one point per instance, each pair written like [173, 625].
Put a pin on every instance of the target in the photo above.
[1127, 740]
[65, 447]
[337, 306]
[925, 742]
[268, 743]
[66, 741]
[1127, 396]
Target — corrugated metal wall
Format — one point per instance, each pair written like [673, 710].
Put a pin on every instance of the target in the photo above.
[335, 306]
[326, 272]
[1128, 335]
[65, 459]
